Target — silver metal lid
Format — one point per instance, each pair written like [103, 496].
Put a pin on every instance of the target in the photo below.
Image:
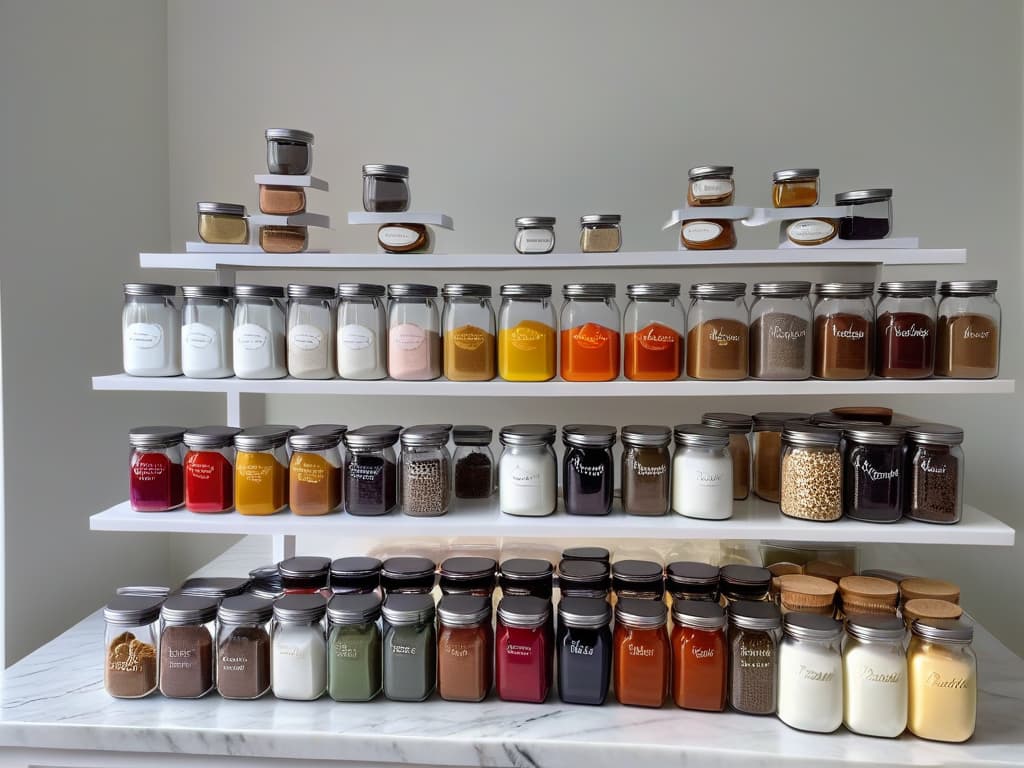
[305, 566]
[210, 437]
[755, 614]
[180, 608]
[426, 435]
[700, 435]
[361, 291]
[469, 290]
[526, 290]
[910, 288]
[472, 434]
[795, 433]
[601, 218]
[215, 586]
[356, 567]
[207, 291]
[526, 569]
[710, 172]
[289, 134]
[870, 626]
[226, 209]
[791, 289]
[263, 438]
[684, 573]
[810, 626]
[968, 287]
[523, 222]
[314, 440]
[584, 612]
[589, 435]
[653, 290]
[297, 291]
[589, 291]
[878, 435]
[149, 289]
[402, 610]
[259, 291]
[641, 614]
[464, 610]
[637, 571]
[527, 434]
[943, 630]
[300, 608]
[638, 435]
[858, 196]
[155, 437]
[412, 290]
[718, 290]
[936, 434]
[407, 568]
[844, 290]
[698, 614]
[733, 422]
[144, 591]
[354, 609]
[796, 174]
[382, 169]
[245, 609]
[133, 610]
[373, 436]
[523, 611]
[773, 421]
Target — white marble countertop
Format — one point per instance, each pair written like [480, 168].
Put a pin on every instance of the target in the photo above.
[54, 700]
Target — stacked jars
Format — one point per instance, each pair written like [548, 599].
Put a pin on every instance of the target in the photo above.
[289, 153]
[710, 186]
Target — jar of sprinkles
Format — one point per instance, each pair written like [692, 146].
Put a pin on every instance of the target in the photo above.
[425, 473]
[935, 473]
[812, 473]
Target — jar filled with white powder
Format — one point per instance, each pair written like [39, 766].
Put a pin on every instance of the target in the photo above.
[811, 673]
[702, 472]
[362, 331]
[150, 330]
[527, 470]
[258, 348]
[206, 331]
[298, 655]
[875, 675]
[311, 331]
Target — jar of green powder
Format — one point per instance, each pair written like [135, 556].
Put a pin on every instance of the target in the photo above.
[410, 647]
[354, 663]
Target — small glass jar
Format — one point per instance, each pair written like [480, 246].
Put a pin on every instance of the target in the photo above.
[935, 474]
[639, 579]
[468, 576]
[289, 151]
[600, 233]
[465, 648]
[906, 329]
[311, 331]
[968, 330]
[584, 647]
[385, 188]
[354, 647]
[654, 324]
[156, 469]
[130, 642]
[873, 474]
[844, 331]
[355, 575]
[370, 474]
[362, 332]
[527, 470]
[425, 471]
[710, 185]
[875, 676]
[795, 187]
[745, 583]
[314, 472]
[470, 343]
[243, 647]
[717, 332]
[869, 214]
[754, 656]
[259, 338]
[407, 575]
[643, 657]
[222, 223]
[526, 576]
[700, 655]
[474, 462]
[692, 581]
[535, 234]
[305, 575]
[150, 330]
[738, 426]
[206, 331]
[523, 650]
[588, 468]
[299, 648]
[283, 239]
[590, 323]
[187, 632]
[811, 673]
[780, 331]
[404, 238]
[767, 452]
[646, 469]
[584, 578]
[527, 339]
[261, 470]
[702, 483]
[410, 647]
[282, 200]
[708, 234]
[942, 680]
[209, 469]
[414, 332]
[811, 479]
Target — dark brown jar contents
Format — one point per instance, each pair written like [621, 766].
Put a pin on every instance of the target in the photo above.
[130, 671]
[717, 349]
[968, 347]
[752, 671]
[645, 480]
[906, 345]
[473, 473]
[186, 661]
[842, 347]
[403, 238]
[243, 663]
[708, 235]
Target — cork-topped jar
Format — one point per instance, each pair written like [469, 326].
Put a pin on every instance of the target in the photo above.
[807, 594]
[929, 589]
[921, 608]
[866, 594]
[826, 569]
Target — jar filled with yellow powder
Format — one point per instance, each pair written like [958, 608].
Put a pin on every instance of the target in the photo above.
[527, 342]
[223, 223]
[467, 326]
[943, 680]
[261, 470]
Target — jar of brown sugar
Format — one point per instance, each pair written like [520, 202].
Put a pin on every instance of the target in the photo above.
[283, 239]
[186, 646]
[717, 334]
[130, 669]
[865, 594]
[767, 444]
[844, 324]
[968, 332]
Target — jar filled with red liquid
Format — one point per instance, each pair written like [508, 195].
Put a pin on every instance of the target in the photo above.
[654, 324]
[523, 649]
[642, 657]
[905, 329]
[156, 479]
[210, 469]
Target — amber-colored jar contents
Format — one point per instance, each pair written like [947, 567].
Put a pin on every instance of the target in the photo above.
[468, 332]
[708, 234]
[795, 188]
[967, 344]
[261, 470]
[866, 594]
[283, 239]
[700, 655]
[844, 323]
[465, 648]
[590, 323]
[282, 201]
[710, 185]
[641, 652]
[767, 443]
[807, 594]
[717, 335]
[314, 473]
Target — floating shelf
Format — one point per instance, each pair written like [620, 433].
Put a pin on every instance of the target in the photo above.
[442, 220]
[281, 180]
[295, 220]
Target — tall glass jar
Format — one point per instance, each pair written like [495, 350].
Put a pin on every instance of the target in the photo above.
[935, 474]
[261, 470]
[259, 343]
[780, 331]
[410, 647]
[370, 476]
[875, 676]
[187, 632]
[465, 648]
[869, 214]
[812, 473]
[362, 332]
[524, 650]
[206, 331]
[906, 329]
[811, 673]
[767, 445]
[969, 330]
[414, 332]
[354, 647]
[156, 469]
[716, 336]
[739, 426]
[754, 656]
[702, 484]
[535, 234]
[873, 474]
[314, 472]
[385, 188]
[425, 471]
[311, 331]
[210, 469]
[588, 468]
[942, 680]
[700, 655]
[584, 649]
[474, 462]
[470, 343]
[646, 469]
[243, 647]
[654, 324]
[527, 470]
[844, 331]
[527, 338]
[299, 648]
[600, 233]
[590, 323]
[130, 642]
[643, 658]
[150, 330]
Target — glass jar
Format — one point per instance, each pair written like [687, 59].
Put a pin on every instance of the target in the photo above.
[243, 647]
[639, 579]
[261, 470]
[654, 323]
[597, 554]
[289, 151]
[780, 331]
[912, 588]
[584, 578]
[206, 331]
[371, 470]
[209, 469]
[354, 647]
[643, 658]
[130, 640]
[425, 469]
[588, 468]
[968, 330]
[222, 223]
[600, 233]
[753, 656]
[844, 331]
[716, 337]
[809, 231]
[283, 239]
[584, 644]
[259, 346]
[414, 332]
[645, 469]
[156, 475]
[590, 332]
[811, 673]
[767, 450]
[306, 575]
[474, 462]
[535, 234]
[281, 200]
[875, 676]
[470, 346]
[935, 474]
[811, 478]
[465, 648]
[523, 650]
[700, 655]
[410, 647]
[311, 331]
[873, 474]
[404, 238]
[869, 214]
[795, 188]
[298, 669]
[702, 484]
[314, 472]
[385, 188]
[187, 629]
[526, 576]
[738, 426]
[355, 575]
[745, 583]
[527, 342]
[527, 470]
[906, 329]
[692, 581]
[942, 680]
[150, 330]
[362, 332]
[710, 185]
[407, 575]
[468, 576]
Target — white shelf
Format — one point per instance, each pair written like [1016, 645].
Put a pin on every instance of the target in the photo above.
[283, 180]
[514, 261]
[295, 220]
[442, 220]
[753, 520]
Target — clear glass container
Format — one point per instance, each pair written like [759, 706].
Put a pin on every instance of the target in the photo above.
[282, 200]
[289, 151]
[942, 680]
[812, 473]
[283, 239]
[738, 426]
[795, 187]
[299, 648]
[474, 465]
[934, 474]
[811, 673]
[130, 646]
[156, 481]
[646, 469]
[404, 238]
[700, 653]
[717, 332]
[210, 469]
[968, 330]
[844, 331]
[370, 475]
[425, 471]
[528, 470]
[385, 188]
[583, 645]
[905, 328]
[875, 676]
[780, 331]
[710, 185]
[410, 647]
[355, 653]
[767, 452]
[362, 331]
[243, 647]
[414, 332]
[207, 326]
[527, 337]
[591, 324]
[188, 627]
[222, 223]
[261, 470]
[588, 468]
[470, 336]
[642, 654]
[523, 650]
[654, 324]
[869, 214]
[465, 647]
[311, 331]
[314, 472]
[600, 233]
[873, 474]
[702, 485]
[151, 330]
[739, 582]
[535, 234]
[754, 628]
[259, 341]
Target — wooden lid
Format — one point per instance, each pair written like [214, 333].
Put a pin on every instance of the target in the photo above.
[868, 587]
[924, 608]
[929, 589]
[784, 569]
[799, 591]
[827, 570]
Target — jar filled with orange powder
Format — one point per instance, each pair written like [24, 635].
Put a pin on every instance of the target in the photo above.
[641, 651]
[590, 324]
[655, 324]
[700, 655]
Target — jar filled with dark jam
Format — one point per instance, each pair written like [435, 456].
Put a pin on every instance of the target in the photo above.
[588, 475]
[692, 581]
[873, 475]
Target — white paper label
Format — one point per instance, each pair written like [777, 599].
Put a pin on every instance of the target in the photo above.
[251, 337]
[144, 335]
[305, 337]
[397, 237]
[712, 188]
[809, 230]
[535, 240]
[355, 336]
[407, 337]
[198, 335]
[701, 231]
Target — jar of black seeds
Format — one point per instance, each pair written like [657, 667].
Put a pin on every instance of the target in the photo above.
[474, 461]
[425, 470]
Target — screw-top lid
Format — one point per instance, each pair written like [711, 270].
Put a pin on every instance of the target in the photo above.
[468, 568]
[875, 626]
[133, 610]
[698, 614]
[943, 630]
[641, 614]
[589, 290]
[297, 291]
[710, 172]
[402, 609]
[936, 434]
[789, 290]
[700, 435]
[749, 576]
[653, 290]
[305, 566]
[383, 169]
[584, 612]
[755, 614]
[426, 435]
[526, 290]
[215, 586]
[469, 290]
[373, 436]
[535, 221]
[804, 435]
[583, 574]
[733, 422]
[908, 288]
[360, 291]
[149, 289]
[601, 218]
[155, 437]
[859, 196]
[407, 568]
[810, 626]
[463, 610]
[144, 591]
[640, 435]
[181, 608]
[259, 292]
[226, 209]
[688, 574]
[472, 434]
[526, 569]
[875, 435]
[527, 434]
[210, 437]
[245, 609]
[773, 421]
[796, 174]
[354, 608]
[207, 291]
[263, 438]
[844, 290]
[968, 287]
[523, 611]
[300, 608]
[597, 554]
[313, 440]
[718, 290]
[641, 572]
[412, 290]
[589, 435]
[289, 134]
[934, 589]
[355, 567]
